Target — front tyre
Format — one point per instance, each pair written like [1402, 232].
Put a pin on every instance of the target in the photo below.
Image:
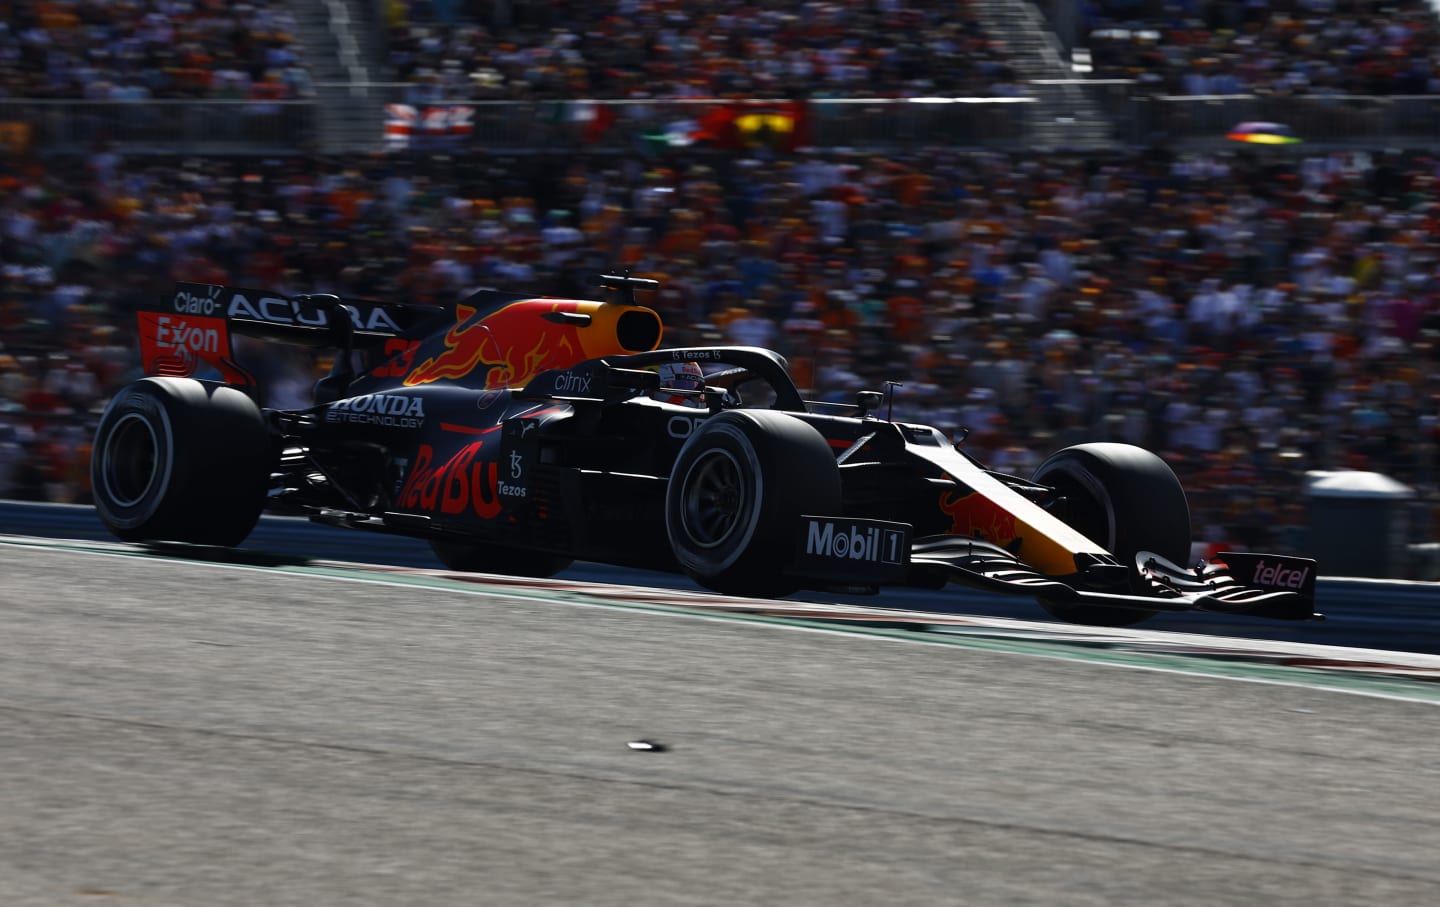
[181, 460]
[736, 494]
[1125, 499]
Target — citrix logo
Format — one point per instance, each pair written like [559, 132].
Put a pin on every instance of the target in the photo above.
[568, 382]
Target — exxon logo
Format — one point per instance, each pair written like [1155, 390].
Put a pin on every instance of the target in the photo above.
[177, 334]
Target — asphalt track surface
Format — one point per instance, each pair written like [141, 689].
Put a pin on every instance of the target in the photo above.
[1378, 614]
[178, 732]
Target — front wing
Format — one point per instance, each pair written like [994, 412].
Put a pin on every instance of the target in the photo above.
[1255, 585]
[851, 552]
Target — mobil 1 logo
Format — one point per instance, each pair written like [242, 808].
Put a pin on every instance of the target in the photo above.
[853, 550]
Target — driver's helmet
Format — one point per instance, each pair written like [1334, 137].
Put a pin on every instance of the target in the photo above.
[684, 376]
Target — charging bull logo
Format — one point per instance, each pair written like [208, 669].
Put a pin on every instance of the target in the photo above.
[973, 515]
[509, 346]
[508, 354]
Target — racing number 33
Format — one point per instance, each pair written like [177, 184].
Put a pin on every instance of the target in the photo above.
[399, 358]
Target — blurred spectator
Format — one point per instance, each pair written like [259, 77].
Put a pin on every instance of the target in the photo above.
[1280, 47]
[699, 48]
[149, 49]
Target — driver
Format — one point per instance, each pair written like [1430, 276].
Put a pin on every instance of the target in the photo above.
[681, 376]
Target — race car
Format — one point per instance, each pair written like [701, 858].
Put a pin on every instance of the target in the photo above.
[518, 434]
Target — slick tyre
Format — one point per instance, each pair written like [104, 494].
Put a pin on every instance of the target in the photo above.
[737, 492]
[470, 557]
[1126, 499]
[181, 460]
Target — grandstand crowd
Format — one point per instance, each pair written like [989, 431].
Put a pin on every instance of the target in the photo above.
[138, 50]
[168, 49]
[1277, 47]
[1250, 315]
[705, 48]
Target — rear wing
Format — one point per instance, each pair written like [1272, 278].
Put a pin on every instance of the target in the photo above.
[196, 327]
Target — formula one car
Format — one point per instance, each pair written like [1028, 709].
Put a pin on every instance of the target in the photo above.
[518, 434]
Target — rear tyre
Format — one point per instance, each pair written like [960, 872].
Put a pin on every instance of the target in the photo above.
[181, 460]
[470, 557]
[737, 492]
[1125, 499]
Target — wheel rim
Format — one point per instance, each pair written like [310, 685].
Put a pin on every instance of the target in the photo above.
[715, 499]
[132, 461]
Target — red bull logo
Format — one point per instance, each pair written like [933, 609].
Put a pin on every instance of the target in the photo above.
[510, 346]
[973, 515]
[508, 355]
[460, 484]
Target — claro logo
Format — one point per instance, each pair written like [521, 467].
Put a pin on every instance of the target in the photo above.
[880, 546]
[194, 304]
[1279, 576]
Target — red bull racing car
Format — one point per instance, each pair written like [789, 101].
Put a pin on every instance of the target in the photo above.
[518, 434]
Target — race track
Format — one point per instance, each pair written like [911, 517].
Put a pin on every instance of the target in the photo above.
[180, 732]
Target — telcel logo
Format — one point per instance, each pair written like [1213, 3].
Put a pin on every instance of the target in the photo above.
[870, 544]
[1279, 576]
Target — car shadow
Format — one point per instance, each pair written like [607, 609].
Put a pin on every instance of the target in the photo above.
[216, 555]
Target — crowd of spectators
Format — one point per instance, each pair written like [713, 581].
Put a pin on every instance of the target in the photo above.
[700, 48]
[902, 48]
[141, 49]
[1271, 47]
[1250, 317]
[136, 50]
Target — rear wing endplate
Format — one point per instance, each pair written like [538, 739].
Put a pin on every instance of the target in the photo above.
[197, 325]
